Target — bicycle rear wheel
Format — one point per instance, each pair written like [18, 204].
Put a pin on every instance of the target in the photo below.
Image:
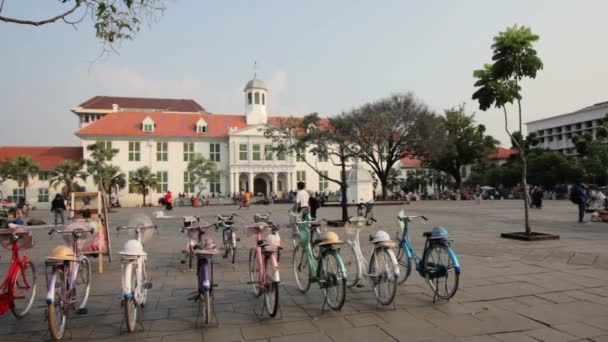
[405, 265]
[144, 284]
[57, 315]
[441, 273]
[385, 284]
[301, 268]
[24, 290]
[254, 273]
[271, 289]
[332, 281]
[83, 282]
[205, 306]
[351, 263]
[314, 245]
[131, 304]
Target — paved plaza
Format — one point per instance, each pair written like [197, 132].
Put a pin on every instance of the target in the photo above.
[509, 290]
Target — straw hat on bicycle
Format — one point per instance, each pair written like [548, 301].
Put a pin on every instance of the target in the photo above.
[330, 238]
[62, 253]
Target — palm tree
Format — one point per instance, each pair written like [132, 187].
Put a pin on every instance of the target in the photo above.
[67, 172]
[21, 169]
[203, 170]
[144, 179]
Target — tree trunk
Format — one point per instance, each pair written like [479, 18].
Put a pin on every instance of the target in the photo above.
[383, 184]
[24, 193]
[343, 187]
[524, 174]
[458, 179]
[144, 194]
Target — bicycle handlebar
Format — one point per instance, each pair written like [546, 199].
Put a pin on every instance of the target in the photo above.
[136, 227]
[199, 227]
[410, 218]
[77, 230]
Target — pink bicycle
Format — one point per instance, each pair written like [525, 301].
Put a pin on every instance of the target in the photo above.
[19, 286]
[264, 264]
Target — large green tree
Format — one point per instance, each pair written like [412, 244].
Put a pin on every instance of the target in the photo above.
[392, 128]
[499, 84]
[67, 173]
[465, 143]
[113, 20]
[324, 139]
[143, 179]
[203, 171]
[21, 169]
[97, 166]
[593, 153]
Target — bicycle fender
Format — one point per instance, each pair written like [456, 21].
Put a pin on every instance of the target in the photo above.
[341, 264]
[127, 270]
[394, 261]
[50, 291]
[454, 258]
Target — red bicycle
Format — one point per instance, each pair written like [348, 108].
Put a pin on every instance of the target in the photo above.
[19, 287]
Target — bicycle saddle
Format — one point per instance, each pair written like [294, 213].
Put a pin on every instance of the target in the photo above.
[315, 224]
[427, 234]
[224, 217]
[260, 217]
[260, 226]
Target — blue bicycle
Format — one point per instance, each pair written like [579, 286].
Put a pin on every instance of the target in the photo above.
[438, 265]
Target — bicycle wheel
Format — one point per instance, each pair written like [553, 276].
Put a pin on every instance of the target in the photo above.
[405, 265]
[271, 290]
[254, 273]
[131, 304]
[351, 263]
[190, 257]
[207, 306]
[144, 286]
[385, 284]
[57, 316]
[24, 290]
[332, 281]
[369, 218]
[83, 282]
[441, 273]
[234, 247]
[301, 268]
[314, 237]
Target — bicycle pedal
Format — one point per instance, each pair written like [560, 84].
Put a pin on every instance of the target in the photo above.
[182, 261]
[215, 285]
[194, 298]
[147, 285]
[252, 282]
[82, 311]
[359, 285]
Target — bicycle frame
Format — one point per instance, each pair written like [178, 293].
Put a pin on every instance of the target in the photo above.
[128, 263]
[8, 285]
[72, 270]
[305, 243]
[362, 263]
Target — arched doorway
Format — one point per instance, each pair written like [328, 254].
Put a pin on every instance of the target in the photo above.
[259, 186]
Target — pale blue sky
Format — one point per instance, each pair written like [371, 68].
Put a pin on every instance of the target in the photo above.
[324, 56]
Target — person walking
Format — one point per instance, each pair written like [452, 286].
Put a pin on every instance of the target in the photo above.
[478, 194]
[579, 197]
[537, 197]
[302, 198]
[58, 207]
[314, 204]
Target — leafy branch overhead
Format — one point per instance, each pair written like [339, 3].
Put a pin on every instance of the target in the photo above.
[113, 20]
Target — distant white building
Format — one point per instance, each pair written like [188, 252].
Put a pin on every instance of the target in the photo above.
[556, 132]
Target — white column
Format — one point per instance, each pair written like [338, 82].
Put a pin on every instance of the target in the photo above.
[231, 184]
[235, 179]
[251, 182]
[274, 182]
[288, 179]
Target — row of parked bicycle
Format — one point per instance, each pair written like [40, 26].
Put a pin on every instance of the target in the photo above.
[319, 256]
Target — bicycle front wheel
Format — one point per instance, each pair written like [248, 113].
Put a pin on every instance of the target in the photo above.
[131, 304]
[383, 271]
[206, 306]
[271, 289]
[24, 290]
[301, 268]
[351, 263]
[254, 273]
[144, 284]
[332, 281]
[57, 315]
[405, 265]
[83, 282]
[441, 272]
[314, 243]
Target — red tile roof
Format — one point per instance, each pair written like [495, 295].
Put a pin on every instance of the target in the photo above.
[47, 156]
[166, 124]
[410, 162]
[502, 153]
[132, 103]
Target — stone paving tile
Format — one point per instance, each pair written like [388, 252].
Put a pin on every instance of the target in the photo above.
[368, 333]
[514, 337]
[414, 330]
[364, 319]
[600, 291]
[557, 297]
[480, 338]
[332, 324]
[532, 300]
[265, 331]
[302, 338]
[227, 334]
[550, 335]
[580, 330]
[603, 338]
[583, 259]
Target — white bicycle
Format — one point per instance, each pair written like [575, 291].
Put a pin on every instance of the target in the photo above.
[135, 281]
[382, 271]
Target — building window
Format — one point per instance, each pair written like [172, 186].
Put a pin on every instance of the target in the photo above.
[188, 182]
[267, 152]
[162, 178]
[300, 154]
[281, 155]
[263, 99]
[132, 186]
[578, 126]
[43, 195]
[323, 182]
[463, 172]
[162, 151]
[107, 145]
[542, 140]
[256, 153]
[214, 152]
[279, 186]
[148, 127]
[134, 151]
[43, 175]
[214, 184]
[188, 151]
[249, 98]
[301, 176]
[201, 128]
[257, 98]
[243, 152]
[558, 137]
[17, 195]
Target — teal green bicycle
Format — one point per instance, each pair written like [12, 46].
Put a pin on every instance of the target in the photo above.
[327, 270]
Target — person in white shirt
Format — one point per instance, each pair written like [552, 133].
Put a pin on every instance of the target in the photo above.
[302, 197]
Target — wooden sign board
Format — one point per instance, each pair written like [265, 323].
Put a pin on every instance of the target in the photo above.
[90, 207]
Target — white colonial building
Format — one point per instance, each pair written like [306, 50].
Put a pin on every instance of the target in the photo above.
[555, 133]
